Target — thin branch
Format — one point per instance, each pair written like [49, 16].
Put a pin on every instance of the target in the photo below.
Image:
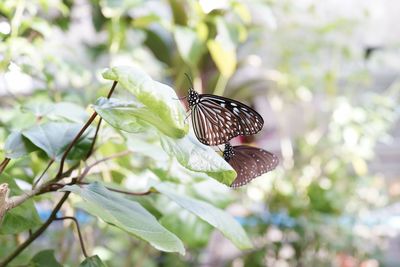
[41, 176]
[4, 164]
[88, 168]
[37, 233]
[94, 139]
[79, 231]
[71, 145]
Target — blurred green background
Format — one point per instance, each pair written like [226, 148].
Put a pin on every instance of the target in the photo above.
[323, 74]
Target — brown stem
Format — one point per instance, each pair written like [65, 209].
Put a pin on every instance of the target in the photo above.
[79, 231]
[94, 139]
[41, 176]
[37, 233]
[71, 145]
[4, 164]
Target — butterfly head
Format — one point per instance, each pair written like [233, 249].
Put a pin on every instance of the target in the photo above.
[228, 152]
[193, 97]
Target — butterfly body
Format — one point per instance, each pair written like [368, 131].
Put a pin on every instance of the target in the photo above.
[249, 162]
[217, 119]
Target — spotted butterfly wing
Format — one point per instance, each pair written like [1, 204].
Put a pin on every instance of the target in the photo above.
[217, 119]
[249, 162]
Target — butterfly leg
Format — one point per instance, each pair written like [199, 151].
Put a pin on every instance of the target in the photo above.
[187, 116]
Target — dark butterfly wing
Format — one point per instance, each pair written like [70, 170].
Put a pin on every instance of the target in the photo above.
[217, 119]
[212, 124]
[251, 162]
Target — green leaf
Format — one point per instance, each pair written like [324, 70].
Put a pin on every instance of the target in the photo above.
[224, 57]
[127, 215]
[54, 111]
[44, 258]
[17, 146]
[20, 218]
[93, 261]
[129, 116]
[194, 232]
[54, 137]
[189, 45]
[198, 157]
[223, 48]
[218, 218]
[159, 98]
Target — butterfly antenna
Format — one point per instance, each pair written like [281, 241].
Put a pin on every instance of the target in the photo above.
[189, 79]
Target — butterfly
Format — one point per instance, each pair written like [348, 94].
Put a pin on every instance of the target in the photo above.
[217, 119]
[249, 162]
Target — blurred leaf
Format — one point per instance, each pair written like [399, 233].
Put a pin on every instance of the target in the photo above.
[127, 215]
[20, 218]
[17, 146]
[54, 137]
[115, 8]
[44, 258]
[242, 11]
[66, 110]
[218, 218]
[194, 232]
[93, 261]
[189, 45]
[224, 57]
[128, 116]
[159, 45]
[178, 11]
[198, 157]
[159, 98]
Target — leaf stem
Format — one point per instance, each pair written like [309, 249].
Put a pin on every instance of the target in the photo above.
[79, 232]
[41, 176]
[4, 164]
[71, 145]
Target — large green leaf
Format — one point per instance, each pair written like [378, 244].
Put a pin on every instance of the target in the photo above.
[198, 157]
[17, 146]
[93, 261]
[44, 258]
[54, 137]
[218, 218]
[189, 45]
[64, 110]
[127, 215]
[159, 98]
[20, 218]
[129, 116]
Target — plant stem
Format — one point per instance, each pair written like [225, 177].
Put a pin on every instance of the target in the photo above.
[59, 175]
[79, 231]
[4, 164]
[37, 233]
[41, 176]
[71, 145]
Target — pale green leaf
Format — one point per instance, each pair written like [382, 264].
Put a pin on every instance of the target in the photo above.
[17, 146]
[218, 218]
[159, 98]
[54, 138]
[93, 261]
[189, 45]
[127, 215]
[198, 157]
